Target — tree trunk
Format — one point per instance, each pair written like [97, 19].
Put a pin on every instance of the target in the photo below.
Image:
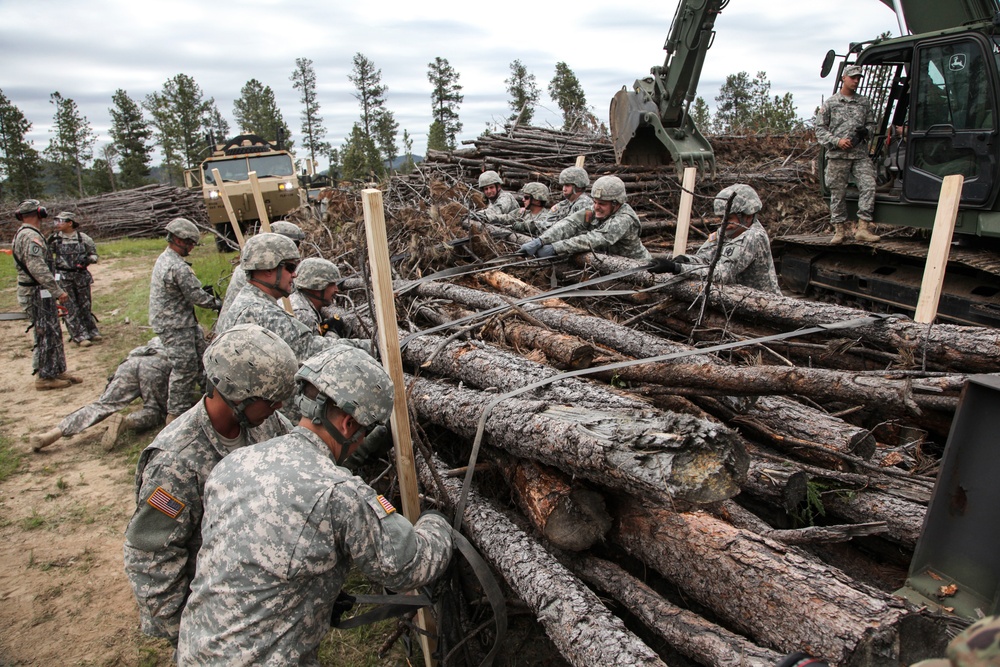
[582, 628]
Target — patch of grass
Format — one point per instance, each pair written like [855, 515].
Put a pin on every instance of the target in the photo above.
[61, 484]
[10, 459]
[130, 248]
[33, 522]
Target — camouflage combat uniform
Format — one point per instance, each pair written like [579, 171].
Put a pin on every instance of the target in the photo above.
[174, 290]
[976, 646]
[836, 120]
[283, 525]
[236, 283]
[255, 306]
[164, 535]
[504, 203]
[566, 208]
[746, 260]
[145, 374]
[73, 252]
[583, 232]
[37, 292]
[307, 314]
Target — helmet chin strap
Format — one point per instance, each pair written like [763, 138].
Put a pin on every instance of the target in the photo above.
[318, 295]
[314, 409]
[276, 285]
[239, 411]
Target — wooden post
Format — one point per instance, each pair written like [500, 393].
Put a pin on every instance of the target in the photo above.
[684, 212]
[388, 340]
[258, 199]
[229, 207]
[939, 250]
[580, 159]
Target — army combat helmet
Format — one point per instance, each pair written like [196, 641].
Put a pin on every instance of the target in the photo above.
[264, 252]
[745, 200]
[316, 273]
[489, 177]
[609, 188]
[976, 646]
[247, 363]
[575, 176]
[289, 229]
[184, 229]
[537, 191]
[349, 379]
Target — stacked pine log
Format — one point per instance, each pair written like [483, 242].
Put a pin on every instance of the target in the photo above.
[690, 508]
[137, 213]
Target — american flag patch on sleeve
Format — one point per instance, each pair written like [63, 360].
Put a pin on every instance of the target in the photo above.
[386, 505]
[166, 503]
[382, 506]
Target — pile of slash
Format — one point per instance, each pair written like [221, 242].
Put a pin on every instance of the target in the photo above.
[648, 497]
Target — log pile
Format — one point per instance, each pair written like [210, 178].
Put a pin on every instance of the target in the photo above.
[138, 213]
[729, 508]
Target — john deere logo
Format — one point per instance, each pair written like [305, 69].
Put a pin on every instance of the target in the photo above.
[957, 62]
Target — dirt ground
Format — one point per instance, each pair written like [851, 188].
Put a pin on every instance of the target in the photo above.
[64, 597]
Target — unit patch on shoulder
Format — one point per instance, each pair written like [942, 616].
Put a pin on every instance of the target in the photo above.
[166, 503]
[382, 506]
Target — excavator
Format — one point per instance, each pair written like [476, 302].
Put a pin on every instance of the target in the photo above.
[936, 93]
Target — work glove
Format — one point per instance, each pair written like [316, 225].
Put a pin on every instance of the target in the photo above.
[334, 324]
[546, 251]
[663, 265]
[531, 247]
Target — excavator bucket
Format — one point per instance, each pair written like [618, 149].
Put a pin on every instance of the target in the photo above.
[639, 137]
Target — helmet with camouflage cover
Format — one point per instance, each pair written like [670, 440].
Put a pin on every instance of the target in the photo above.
[30, 207]
[266, 251]
[350, 379]
[182, 228]
[247, 362]
[745, 202]
[577, 176]
[489, 177]
[609, 188]
[536, 191]
[316, 273]
[289, 229]
[976, 646]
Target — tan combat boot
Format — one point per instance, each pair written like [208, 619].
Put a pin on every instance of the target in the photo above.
[863, 233]
[44, 384]
[84, 343]
[110, 439]
[838, 234]
[40, 441]
[75, 379]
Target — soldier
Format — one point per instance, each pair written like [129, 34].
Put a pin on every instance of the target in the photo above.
[317, 282]
[250, 373]
[574, 182]
[174, 290]
[611, 226]
[74, 251]
[270, 261]
[843, 126]
[500, 201]
[976, 646]
[284, 523]
[37, 293]
[746, 256]
[239, 277]
[145, 374]
[533, 218]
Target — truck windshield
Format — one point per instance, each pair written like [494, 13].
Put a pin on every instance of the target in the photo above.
[271, 165]
[230, 170]
[239, 168]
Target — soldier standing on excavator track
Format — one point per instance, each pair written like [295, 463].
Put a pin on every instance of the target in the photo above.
[843, 126]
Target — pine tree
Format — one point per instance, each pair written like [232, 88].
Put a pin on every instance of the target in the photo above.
[217, 124]
[130, 134]
[367, 80]
[20, 164]
[523, 91]
[408, 164]
[256, 112]
[180, 115]
[701, 115]
[304, 80]
[360, 156]
[446, 97]
[386, 129]
[566, 91]
[734, 109]
[71, 147]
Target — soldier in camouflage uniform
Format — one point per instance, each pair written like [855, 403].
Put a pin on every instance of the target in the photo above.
[611, 227]
[316, 284]
[746, 256]
[284, 523]
[574, 182]
[174, 291]
[976, 646]
[500, 201]
[144, 374]
[270, 261]
[37, 293]
[838, 119]
[250, 373]
[74, 251]
[533, 218]
[239, 277]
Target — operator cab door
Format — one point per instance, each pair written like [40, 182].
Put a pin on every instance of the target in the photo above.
[952, 121]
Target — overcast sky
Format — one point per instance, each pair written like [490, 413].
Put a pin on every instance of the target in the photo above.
[87, 50]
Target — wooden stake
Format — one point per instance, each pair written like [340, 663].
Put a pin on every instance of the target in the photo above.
[229, 207]
[388, 340]
[939, 250]
[580, 159]
[684, 212]
[258, 199]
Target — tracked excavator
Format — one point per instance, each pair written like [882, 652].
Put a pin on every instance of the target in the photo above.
[936, 94]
